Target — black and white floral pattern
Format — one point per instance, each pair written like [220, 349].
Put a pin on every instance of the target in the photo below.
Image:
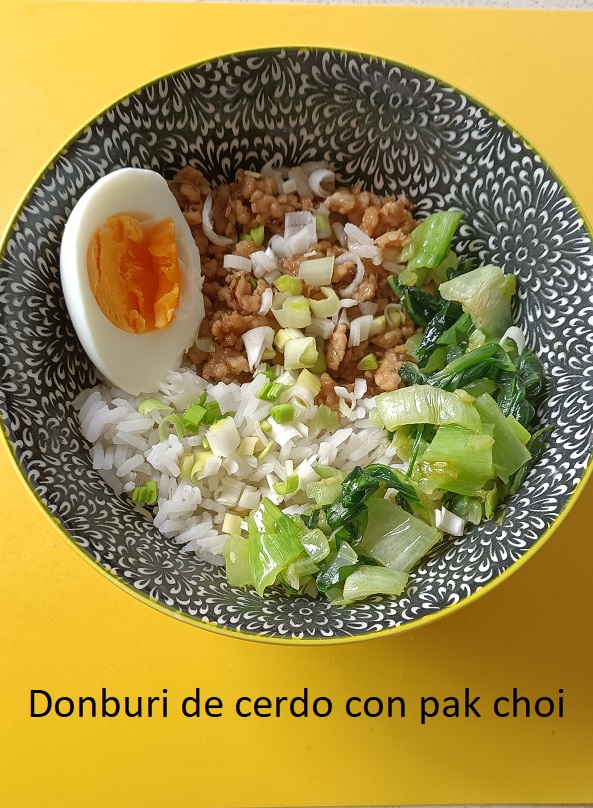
[399, 132]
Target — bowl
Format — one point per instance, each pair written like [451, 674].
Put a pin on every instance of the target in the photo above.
[398, 131]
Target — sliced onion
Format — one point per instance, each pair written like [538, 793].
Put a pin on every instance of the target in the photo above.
[256, 341]
[205, 345]
[349, 290]
[359, 330]
[220, 241]
[266, 301]
[272, 276]
[367, 251]
[319, 176]
[237, 262]
[517, 336]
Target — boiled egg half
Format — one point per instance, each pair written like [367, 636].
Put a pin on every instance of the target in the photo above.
[131, 278]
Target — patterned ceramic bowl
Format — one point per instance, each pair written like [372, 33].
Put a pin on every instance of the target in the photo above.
[399, 132]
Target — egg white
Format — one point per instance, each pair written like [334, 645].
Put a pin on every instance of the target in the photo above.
[136, 363]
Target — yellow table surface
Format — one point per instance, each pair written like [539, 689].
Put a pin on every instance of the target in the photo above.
[67, 630]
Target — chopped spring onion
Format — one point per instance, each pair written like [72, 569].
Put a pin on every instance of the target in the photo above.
[186, 464]
[326, 419]
[231, 524]
[205, 442]
[394, 314]
[265, 426]
[252, 283]
[267, 448]
[378, 326]
[205, 465]
[320, 327]
[288, 186]
[317, 272]
[309, 381]
[292, 311]
[193, 416]
[223, 437]
[300, 353]
[147, 493]
[287, 486]
[324, 228]
[368, 307]
[284, 335]
[299, 175]
[289, 284]
[516, 335]
[266, 301]
[271, 391]
[356, 235]
[327, 307]
[256, 341]
[368, 362]
[208, 228]
[263, 261]
[152, 404]
[176, 421]
[213, 412]
[238, 262]
[449, 522]
[257, 235]
[316, 180]
[349, 290]
[282, 413]
[204, 344]
[360, 329]
[247, 446]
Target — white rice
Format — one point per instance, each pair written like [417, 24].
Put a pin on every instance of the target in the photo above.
[127, 451]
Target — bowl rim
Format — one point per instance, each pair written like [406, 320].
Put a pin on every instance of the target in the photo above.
[206, 624]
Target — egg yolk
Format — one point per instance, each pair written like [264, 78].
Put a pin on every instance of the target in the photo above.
[133, 269]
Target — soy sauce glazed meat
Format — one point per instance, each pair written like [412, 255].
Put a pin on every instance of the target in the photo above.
[286, 250]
